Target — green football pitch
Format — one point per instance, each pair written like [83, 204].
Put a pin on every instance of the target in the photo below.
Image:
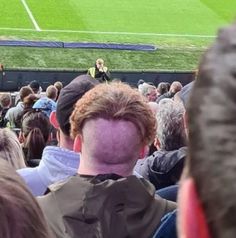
[181, 29]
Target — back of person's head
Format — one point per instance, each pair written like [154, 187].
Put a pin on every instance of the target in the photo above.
[51, 92]
[24, 92]
[35, 86]
[36, 131]
[5, 100]
[10, 149]
[113, 124]
[162, 88]
[69, 95]
[171, 134]
[59, 87]
[175, 87]
[29, 101]
[148, 91]
[208, 191]
[21, 215]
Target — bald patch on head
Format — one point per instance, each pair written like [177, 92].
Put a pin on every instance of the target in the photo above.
[111, 141]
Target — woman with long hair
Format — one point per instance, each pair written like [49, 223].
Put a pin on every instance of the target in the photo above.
[35, 133]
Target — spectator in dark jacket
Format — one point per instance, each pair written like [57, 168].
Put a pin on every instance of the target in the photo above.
[5, 103]
[164, 167]
[13, 114]
[175, 87]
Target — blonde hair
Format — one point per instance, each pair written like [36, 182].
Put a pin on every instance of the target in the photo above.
[10, 149]
[51, 92]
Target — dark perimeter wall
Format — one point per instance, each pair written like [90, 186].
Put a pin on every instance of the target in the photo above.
[13, 80]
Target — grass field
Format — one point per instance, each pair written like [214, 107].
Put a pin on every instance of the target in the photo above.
[181, 29]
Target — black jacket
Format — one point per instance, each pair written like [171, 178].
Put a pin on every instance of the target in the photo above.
[162, 168]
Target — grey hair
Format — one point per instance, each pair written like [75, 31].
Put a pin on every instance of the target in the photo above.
[145, 88]
[170, 125]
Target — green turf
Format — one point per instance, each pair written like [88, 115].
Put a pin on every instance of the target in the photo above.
[152, 16]
[184, 17]
[13, 14]
[164, 59]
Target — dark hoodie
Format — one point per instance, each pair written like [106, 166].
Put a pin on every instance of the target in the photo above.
[162, 168]
[104, 207]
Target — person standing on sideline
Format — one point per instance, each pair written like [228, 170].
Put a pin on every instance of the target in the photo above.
[99, 71]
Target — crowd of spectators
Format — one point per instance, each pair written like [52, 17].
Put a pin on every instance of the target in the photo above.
[98, 158]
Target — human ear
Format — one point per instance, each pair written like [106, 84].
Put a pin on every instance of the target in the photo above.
[77, 144]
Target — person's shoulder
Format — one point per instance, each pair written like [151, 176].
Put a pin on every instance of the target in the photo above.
[25, 171]
[11, 110]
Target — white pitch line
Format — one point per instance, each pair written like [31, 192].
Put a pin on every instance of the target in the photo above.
[31, 15]
[113, 33]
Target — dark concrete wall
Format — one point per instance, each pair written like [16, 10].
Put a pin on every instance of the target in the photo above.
[13, 80]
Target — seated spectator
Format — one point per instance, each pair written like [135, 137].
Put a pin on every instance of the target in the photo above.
[51, 92]
[13, 114]
[34, 136]
[112, 126]
[5, 103]
[46, 105]
[59, 87]
[59, 163]
[100, 71]
[164, 167]
[207, 195]
[148, 91]
[21, 215]
[10, 149]
[35, 86]
[175, 87]
[162, 88]
[29, 101]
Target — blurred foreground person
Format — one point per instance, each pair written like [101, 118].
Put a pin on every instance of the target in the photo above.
[21, 216]
[112, 126]
[207, 195]
[10, 149]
